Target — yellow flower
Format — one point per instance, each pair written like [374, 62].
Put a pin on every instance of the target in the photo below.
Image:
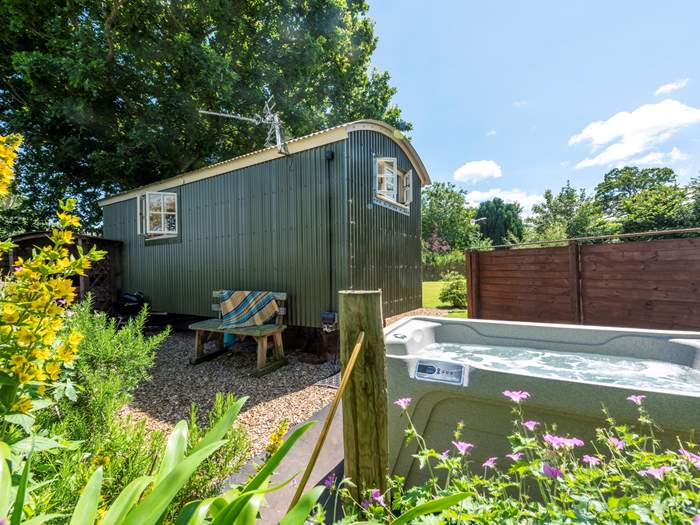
[65, 355]
[6, 329]
[41, 352]
[18, 360]
[62, 236]
[49, 337]
[68, 220]
[22, 405]
[10, 314]
[53, 369]
[75, 338]
[25, 337]
[40, 375]
[41, 389]
[25, 376]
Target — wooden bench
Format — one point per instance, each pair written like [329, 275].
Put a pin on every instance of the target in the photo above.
[211, 329]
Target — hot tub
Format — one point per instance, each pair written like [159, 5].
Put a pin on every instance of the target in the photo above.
[456, 370]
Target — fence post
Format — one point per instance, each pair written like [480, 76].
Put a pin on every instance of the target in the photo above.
[575, 282]
[365, 425]
[471, 259]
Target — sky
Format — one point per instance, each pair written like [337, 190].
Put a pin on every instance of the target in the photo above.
[509, 98]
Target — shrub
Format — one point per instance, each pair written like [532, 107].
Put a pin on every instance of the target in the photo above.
[625, 478]
[436, 263]
[454, 291]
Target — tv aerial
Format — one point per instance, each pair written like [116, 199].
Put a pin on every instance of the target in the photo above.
[275, 133]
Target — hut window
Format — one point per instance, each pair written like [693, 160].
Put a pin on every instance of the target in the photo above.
[159, 215]
[393, 184]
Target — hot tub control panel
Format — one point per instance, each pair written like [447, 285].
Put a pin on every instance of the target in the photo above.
[440, 371]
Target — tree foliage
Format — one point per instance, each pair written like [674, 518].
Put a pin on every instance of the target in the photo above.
[623, 183]
[106, 93]
[503, 221]
[445, 215]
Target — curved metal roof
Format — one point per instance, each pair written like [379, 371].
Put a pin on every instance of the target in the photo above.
[295, 145]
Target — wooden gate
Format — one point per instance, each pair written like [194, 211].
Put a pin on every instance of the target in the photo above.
[643, 284]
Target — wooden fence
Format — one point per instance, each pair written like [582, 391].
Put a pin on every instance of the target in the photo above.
[643, 284]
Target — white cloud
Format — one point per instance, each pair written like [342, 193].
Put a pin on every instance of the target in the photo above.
[491, 133]
[671, 87]
[477, 170]
[564, 163]
[520, 103]
[526, 200]
[660, 158]
[628, 134]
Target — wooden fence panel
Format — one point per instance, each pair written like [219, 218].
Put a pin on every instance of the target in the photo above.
[523, 285]
[652, 284]
[644, 284]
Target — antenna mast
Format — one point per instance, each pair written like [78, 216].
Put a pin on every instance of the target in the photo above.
[275, 133]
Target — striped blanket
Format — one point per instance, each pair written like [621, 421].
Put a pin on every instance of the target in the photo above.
[247, 308]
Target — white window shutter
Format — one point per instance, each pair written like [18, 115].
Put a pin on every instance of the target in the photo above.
[408, 188]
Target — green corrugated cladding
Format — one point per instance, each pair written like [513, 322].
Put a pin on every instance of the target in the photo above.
[271, 227]
[384, 245]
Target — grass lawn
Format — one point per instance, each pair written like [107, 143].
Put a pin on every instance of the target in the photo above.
[431, 291]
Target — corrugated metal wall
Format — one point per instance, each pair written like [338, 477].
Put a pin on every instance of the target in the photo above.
[264, 227]
[384, 244]
[270, 227]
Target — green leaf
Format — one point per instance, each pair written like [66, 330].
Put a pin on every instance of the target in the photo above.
[300, 511]
[249, 512]
[222, 426]
[126, 500]
[150, 509]
[431, 507]
[232, 511]
[19, 497]
[23, 420]
[271, 464]
[5, 487]
[34, 444]
[38, 520]
[85, 511]
[174, 451]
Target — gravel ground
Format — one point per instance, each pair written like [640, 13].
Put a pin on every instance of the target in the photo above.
[287, 393]
[433, 312]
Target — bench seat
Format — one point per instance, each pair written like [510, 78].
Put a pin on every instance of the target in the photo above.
[214, 325]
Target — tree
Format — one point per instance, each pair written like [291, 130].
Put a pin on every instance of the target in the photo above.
[570, 213]
[502, 220]
[445, 215]
[106, 93]
[622, 183]
[656, 208]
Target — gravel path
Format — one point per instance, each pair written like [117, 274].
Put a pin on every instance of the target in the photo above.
[287, 393]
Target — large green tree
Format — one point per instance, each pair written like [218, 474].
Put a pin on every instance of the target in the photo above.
[622, 183]
[106, 93]
[500, 221]
[446, 216]
[570, 213]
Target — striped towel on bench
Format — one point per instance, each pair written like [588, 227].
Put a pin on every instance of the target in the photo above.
[247, 308]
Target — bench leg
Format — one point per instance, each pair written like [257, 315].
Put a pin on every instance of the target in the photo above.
[278, 346]
[262, 351]
[219, 342]
[198, 345]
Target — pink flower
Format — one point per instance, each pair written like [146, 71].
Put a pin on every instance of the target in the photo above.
[562, 442]
[490, 463]
[377, 497]
[516, 395]
[657, 473]
[591, 460]
[445, 454]
[693, 458]
[330, 480]
[550, 471]
[403, 403]
[637, 399]
[531, 425]
[617, 443]
[515, 456]
[696, 519]
[462, 446]
[365, 504]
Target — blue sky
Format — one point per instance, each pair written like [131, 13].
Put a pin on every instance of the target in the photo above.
[511, 98]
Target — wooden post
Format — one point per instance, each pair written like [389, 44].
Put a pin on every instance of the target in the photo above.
[365, 426]
[471, 260]
[575, 282]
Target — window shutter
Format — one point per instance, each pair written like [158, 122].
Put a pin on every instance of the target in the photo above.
[408, 188]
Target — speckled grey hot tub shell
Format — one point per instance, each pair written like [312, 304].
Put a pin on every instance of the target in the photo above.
[456, 370]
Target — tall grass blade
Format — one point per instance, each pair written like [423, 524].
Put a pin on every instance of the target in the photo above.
[21, 492]
[219, 430]
[174, 451]
[300, 511]
[431, 507]
[5, 487]
[126, 500]
[85, 511]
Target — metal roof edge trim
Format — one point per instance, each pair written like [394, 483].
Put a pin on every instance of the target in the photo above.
[313, 140]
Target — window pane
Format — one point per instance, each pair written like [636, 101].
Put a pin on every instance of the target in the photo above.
[155, 202]
[169, 203]
[155, 222]
[170, 222]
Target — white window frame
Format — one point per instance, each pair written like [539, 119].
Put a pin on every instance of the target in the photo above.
[402, 181]
[144, 214]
